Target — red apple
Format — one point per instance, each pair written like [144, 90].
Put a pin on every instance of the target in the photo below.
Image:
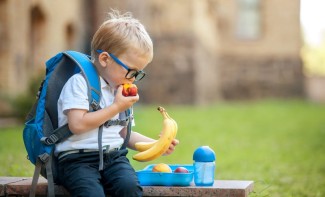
[181, 170]
[129, 90]
[133, 91]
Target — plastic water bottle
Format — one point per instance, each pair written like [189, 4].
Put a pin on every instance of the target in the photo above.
[204, 165]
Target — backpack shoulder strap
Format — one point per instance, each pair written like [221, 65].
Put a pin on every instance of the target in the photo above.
[128, 134]
[91, 76]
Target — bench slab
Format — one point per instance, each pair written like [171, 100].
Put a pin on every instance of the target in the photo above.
[20, 186]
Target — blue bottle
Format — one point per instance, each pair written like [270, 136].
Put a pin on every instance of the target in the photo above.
[204, 165]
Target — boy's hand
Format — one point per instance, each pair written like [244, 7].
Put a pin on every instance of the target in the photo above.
[123, 102]
[171, 148]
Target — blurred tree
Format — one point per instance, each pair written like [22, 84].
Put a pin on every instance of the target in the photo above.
[314, 58]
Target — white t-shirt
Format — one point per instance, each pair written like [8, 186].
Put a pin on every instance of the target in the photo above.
[74, 95]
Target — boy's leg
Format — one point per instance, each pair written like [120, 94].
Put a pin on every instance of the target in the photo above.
[119, 178]
[80, 176]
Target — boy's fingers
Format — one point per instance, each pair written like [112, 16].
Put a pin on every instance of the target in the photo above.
[175, 141]
[119, 89]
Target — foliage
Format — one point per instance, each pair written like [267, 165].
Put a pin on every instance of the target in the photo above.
[314, 59]
[22, 104]
[278, 144]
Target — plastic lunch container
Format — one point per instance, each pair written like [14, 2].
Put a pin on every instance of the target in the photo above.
[147, 177]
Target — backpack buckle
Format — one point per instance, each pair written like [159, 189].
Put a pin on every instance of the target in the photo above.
[44, 157]
[117, 122]
[52, 139]
[94, 105]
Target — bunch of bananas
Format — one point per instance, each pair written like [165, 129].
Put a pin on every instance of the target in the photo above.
[152, 150]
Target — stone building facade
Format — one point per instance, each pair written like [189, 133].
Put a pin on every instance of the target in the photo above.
[220, 49]
[203, 50]
[260, 62]
[32, 31]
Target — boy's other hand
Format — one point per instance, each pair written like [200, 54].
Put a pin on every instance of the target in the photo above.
[172, 146]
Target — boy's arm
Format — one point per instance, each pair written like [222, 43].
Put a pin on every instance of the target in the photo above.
[81, 121]
[137, 137]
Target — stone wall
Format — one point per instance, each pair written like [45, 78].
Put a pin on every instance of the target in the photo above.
[170, 76]
[279, 36]
[268, 65]
[251, 78]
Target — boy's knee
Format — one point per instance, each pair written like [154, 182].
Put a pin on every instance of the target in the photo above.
[85, 188]
[129, 187]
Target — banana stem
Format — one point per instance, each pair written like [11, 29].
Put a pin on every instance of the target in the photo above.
[163, 112]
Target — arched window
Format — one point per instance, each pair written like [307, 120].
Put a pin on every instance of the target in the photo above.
[37, 34]
[69, 36]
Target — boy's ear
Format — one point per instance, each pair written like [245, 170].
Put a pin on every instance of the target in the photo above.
[103, 59]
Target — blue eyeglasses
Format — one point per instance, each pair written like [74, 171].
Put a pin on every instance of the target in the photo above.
[138, 74]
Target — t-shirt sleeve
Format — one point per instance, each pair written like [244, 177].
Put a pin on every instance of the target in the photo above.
[74, 94]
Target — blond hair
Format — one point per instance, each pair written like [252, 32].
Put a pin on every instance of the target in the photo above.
[119, 33]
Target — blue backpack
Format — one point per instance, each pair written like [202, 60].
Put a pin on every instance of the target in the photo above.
[41, 131]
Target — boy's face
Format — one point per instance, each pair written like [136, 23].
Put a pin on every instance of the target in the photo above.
[132, 61]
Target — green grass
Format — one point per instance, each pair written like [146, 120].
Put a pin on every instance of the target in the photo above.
[277, 144]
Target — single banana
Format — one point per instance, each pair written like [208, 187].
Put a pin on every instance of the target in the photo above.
[155, 149]
[142, 146]
[175, 127]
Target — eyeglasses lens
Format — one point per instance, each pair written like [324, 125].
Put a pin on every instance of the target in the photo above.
[137, 74]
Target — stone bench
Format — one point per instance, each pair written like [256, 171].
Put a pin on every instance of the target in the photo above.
[20, 186]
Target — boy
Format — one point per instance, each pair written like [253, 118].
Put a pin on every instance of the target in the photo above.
[121, 48]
